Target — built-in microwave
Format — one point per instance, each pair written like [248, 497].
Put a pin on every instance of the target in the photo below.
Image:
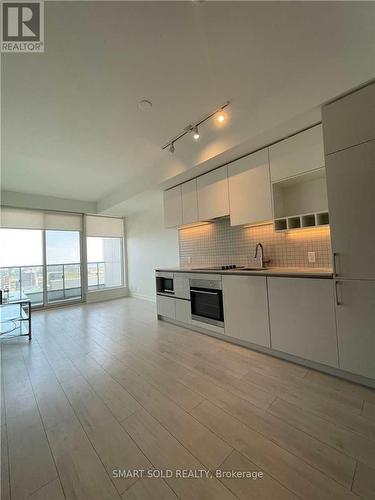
[206, 298]
[164, 283]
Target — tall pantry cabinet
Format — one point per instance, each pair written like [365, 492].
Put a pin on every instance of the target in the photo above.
[349, 143]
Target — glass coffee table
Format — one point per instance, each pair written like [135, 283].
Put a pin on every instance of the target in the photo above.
[15, 316]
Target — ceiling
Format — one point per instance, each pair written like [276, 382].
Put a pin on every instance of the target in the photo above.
[71, 126]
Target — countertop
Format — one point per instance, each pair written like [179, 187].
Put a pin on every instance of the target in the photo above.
[291, 272]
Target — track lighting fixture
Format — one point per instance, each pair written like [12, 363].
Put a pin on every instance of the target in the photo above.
[219, 116]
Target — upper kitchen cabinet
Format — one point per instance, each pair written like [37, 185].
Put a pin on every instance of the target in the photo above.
[350, 120]
[173, 207]
[301, 153]
[301, 201]
[213, 198]
[351, 198]
[189, 202]
[250, 189]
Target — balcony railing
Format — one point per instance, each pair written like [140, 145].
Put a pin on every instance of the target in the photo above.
[63, 281]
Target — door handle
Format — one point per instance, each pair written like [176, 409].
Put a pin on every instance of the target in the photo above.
[203, 291]
[338, 296]
[335, 266]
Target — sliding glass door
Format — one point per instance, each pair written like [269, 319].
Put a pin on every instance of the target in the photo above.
[63, 266]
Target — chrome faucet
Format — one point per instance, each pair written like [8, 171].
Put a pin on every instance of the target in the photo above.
[259, 246]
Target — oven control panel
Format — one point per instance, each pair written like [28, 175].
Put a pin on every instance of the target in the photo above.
[204, 283]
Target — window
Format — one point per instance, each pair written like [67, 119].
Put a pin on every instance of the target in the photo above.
[21, 262]
[104, 262]
[40, 254]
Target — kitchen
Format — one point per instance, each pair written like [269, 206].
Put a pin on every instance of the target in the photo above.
[277, 247]
[187, 264]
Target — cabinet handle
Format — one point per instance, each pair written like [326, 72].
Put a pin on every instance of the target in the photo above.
[338, 296]
[203, 291]
[335, 267]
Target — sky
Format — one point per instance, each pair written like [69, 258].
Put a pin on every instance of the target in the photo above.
[24, 247]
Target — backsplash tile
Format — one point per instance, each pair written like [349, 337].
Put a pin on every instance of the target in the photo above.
[218, 244]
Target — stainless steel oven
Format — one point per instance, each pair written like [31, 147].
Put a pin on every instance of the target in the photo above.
[164, 283]
[206, 297]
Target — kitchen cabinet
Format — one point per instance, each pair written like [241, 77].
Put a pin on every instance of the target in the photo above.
[213, 198]
[350, 120]
[181, 285]
[183, 310]
[297, 154]
[250, 189]
[246, 309]
[355, 314]
[173, 207]
[351, 199]
[166, 306]
[189, 202]
[302, 318]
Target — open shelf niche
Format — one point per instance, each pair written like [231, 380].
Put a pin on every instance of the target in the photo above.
[301, 201]
[302, 221]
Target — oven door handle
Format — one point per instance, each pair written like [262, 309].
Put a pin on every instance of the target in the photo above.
[194, 290]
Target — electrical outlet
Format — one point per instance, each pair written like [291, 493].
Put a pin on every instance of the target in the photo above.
[311, 257]
[189, 260]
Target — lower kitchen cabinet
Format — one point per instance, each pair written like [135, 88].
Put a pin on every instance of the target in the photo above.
[355, 313]
[183, 310]
[166, 306]
[246, 309]
[302, 318]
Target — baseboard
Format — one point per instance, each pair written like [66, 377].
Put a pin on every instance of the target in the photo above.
[143, 297]
[106, 294]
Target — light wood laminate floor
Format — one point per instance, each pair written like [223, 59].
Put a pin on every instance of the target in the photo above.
[106, 387]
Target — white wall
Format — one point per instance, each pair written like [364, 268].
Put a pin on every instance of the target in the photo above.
[149, 246]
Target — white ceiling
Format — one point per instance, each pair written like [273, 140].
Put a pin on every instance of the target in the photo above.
[71, 127]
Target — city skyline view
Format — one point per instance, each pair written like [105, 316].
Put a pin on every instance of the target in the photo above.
[24, 247]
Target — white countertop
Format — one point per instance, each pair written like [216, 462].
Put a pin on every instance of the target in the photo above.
[302, 272]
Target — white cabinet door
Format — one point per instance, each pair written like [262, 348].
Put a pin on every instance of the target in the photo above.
[246, 309]
[302, 318]
[183, 310]
[356, 326]
[181, 285]
[173, 207]
[250, 189]
[351, 201]
[350, 120]
[213, 198]
[189, 202]
[166, 306]
[298, 154]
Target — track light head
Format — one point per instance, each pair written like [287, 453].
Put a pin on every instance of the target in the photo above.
[195, 133]
[220, 116]
[171, 148]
